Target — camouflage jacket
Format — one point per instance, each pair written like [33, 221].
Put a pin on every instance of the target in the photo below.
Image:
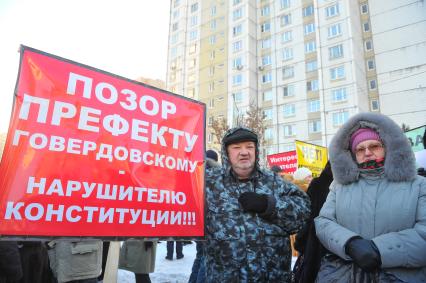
[245, 246]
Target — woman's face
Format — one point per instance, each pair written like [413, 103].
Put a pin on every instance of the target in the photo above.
[369, 150]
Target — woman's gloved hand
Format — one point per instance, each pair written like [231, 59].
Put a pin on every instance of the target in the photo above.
[364, 253]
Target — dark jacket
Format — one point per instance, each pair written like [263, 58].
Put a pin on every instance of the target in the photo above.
[245, 246]
[307, 244]
[10, 262]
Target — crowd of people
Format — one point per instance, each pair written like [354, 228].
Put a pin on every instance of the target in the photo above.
[362, 220]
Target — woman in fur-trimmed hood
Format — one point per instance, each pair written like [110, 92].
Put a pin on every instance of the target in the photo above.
[374, 220]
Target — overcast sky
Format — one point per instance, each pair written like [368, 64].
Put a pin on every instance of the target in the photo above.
[124, 37]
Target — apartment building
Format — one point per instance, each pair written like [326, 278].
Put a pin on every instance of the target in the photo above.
[309, 64]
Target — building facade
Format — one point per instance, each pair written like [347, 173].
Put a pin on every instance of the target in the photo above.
[308, 64]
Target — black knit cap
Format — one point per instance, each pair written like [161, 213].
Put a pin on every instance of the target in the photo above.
[240, 135]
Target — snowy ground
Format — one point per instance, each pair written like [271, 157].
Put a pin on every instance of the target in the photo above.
[166, 271]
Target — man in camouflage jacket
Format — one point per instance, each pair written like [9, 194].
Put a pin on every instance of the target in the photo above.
[250, 214]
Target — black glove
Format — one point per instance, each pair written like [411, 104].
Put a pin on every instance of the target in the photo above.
[253, 202]
[364, 253]
[148, 245]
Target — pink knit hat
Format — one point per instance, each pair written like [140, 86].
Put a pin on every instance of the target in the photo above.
[361, 135]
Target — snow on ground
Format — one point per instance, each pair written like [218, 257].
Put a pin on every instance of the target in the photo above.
[166, 271]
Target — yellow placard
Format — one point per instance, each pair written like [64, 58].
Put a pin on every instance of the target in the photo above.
[311, 156]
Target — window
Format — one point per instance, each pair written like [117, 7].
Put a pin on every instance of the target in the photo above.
[265, 11]
[194, 21]
[237, 79]
[366, 26]
[334, 30]
[176, 3]
[309, 10]
[364, 8]
[368, 44]
[175, 26]
[312, 85]
[191, 78]
[173, 52]
[288, 90]
[237, 63]
[174, 38]
[309, 28]
[314, 126]
[213, 10]
[211, 86]
[267, 77]
[267, 95]
[265, 27]
[269, 134]
[212, 54]
[335, 51]
[266, 43]
[332, 11]
[211, 103]
[311, 66]
[237, 46]
[193, 35]
[287, 53]
[375, 105]
[237, 14]
[238, 96]
[237, 30]
[339, 94]
[194, 7]
[372, 84]
[236, 2]
[337, 73]
[268, 113]
[285, 4]
[310, 46]
[266, 60]
[289, 130]
[286, 36]
[176, 14]
[289, 110]
[285, 20]
[288, 72]
[313, 105]
[370, 64]
[211, 71]
[213, 24]
[210, 138]
[339, 118]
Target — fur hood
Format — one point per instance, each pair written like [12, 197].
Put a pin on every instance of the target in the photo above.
[400, 163]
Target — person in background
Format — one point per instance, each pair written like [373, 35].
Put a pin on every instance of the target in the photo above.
[170, 248]
[138, 256]
[198, 273]
[10, 262]
[307, 244]
[374, 219]
[250, 213]
[35, 262]
[76, 262]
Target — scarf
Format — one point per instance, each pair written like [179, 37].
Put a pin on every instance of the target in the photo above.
[372, 167]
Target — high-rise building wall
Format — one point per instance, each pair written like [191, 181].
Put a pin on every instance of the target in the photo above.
[399, 37]
[308, 64]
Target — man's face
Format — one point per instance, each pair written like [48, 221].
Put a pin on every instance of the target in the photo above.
[242, 157]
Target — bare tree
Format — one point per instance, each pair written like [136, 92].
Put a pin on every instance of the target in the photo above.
[405, 127]
[253, 119]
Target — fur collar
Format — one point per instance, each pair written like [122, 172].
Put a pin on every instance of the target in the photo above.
[400, 163]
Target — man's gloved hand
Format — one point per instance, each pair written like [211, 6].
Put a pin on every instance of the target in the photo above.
[148, 245]
[364, 253]
[253, 202]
